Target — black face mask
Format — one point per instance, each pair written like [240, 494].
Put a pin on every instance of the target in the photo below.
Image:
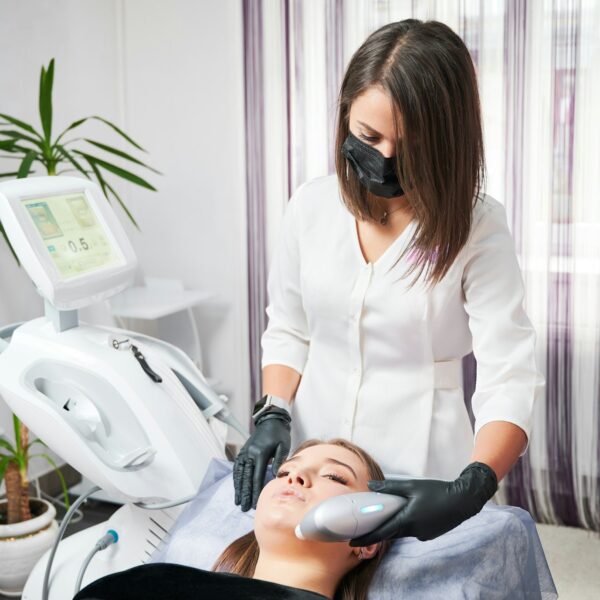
[376, 172]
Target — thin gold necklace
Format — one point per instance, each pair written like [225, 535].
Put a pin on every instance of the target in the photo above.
[384, 218]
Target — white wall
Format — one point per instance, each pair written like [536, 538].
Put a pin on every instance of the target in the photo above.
[170, 73]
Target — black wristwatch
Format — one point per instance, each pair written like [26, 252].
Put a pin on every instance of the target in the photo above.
[266, 403]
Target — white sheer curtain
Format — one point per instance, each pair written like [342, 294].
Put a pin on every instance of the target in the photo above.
[538, 66]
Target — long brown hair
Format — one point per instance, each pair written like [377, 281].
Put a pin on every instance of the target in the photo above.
[427, 72]
[241, 556]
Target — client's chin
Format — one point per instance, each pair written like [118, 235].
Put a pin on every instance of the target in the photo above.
[279, 511]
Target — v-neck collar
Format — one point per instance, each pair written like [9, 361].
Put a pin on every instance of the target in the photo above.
[390, 254]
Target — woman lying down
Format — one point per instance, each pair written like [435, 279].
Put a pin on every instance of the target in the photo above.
[271, 562]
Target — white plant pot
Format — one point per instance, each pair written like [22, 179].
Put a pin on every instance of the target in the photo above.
[22, 545]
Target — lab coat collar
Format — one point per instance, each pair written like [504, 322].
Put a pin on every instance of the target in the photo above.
[392, 253]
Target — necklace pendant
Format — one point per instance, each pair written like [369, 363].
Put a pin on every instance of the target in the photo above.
[383, 219]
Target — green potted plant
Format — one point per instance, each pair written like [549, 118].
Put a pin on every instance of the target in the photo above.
[27, 525]
[28, 147]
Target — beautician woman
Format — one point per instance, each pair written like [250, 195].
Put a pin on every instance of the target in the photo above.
[353, 348]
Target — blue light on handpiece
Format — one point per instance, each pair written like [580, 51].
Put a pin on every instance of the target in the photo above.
[372, 508]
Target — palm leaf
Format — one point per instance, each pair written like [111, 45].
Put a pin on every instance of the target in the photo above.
[7, 446]
[119, 131]
[63, 483]
[23, 149]
[99, 177]
[9, 174]
[6, 144]
[73, 125]
[17, 136]
[20, 124]
[8, 242]
[79, 122]
[116, 170]
[122, 204]
[26, 164]
[4, 460]
[72, 160]
[121, 154]
[17, 432]
[35, 442]
[46, 82]
[106, 188]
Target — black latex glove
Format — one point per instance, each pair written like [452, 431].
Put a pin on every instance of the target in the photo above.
[271, 438]
[434, 506]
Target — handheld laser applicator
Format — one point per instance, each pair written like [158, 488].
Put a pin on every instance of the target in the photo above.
[348, 516]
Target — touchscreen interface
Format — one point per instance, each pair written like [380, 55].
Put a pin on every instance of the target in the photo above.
[72, 234]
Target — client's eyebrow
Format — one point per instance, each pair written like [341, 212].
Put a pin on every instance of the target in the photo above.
[329, 460]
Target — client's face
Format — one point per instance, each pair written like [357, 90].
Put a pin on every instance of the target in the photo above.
[309, 477]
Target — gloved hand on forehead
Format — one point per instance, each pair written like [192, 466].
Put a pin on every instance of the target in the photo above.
[270, 439]
[434, 506]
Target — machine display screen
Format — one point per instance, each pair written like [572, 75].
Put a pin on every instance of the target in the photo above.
[72, 234]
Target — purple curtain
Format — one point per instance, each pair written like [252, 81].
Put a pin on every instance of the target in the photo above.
[255, 187]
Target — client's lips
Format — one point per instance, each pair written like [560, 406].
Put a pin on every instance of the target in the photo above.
[288, 492]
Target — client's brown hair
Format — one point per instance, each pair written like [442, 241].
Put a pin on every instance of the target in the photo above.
[241, 556]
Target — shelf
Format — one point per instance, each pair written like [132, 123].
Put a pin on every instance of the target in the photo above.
[141, 302]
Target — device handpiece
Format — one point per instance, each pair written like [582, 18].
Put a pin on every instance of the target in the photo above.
[348, 516]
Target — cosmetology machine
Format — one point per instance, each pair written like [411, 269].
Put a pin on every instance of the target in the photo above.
[131, 413]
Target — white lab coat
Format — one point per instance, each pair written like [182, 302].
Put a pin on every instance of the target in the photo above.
[381, 365]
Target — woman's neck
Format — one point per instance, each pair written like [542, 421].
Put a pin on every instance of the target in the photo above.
[308, 573]
[397, 208]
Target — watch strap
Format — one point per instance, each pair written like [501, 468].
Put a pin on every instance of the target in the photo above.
[269, 402]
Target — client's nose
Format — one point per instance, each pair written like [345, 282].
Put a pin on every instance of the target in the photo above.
[298, 477]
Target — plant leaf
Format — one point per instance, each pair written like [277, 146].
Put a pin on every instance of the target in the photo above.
[4, 460]
[20, 124]
[72, 160]
[7, 446]
[117, 170]
[118, 198]
[11, 174]
[38, 441]
[97, 118]
[119, 131]
[46, 82]
[9, 244]
[18, 136]
[73, 125]
[99, 177]
[121, 154]
[23, 149]
[106, 187]
[26, 164]
[6, 144]
[17, 431]
[63, 483]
